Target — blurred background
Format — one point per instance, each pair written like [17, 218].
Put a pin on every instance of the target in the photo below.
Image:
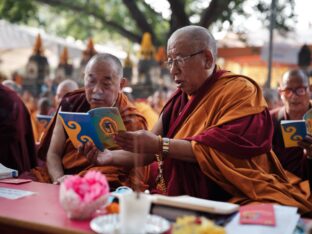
[43, 42]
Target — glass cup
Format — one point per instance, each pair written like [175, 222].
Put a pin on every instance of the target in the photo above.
[134, 209]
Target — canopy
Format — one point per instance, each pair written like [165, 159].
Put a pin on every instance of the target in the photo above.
[16, 43]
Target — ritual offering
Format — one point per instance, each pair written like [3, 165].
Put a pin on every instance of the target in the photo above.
[82, 196]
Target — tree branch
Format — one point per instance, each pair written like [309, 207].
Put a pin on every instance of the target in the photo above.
[140, 19]
[93, 10]
[152, 10]
[213, 12]
[179, 16]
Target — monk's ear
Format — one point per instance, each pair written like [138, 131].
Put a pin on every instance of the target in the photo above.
[208, 59]
[123, 82]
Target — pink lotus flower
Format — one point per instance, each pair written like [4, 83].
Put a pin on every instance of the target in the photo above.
[82, 196]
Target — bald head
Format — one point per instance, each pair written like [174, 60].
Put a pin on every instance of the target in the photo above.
[64, 87]
[198, 37]
[295, 93]
[191, 53]
[106, 58]
[295, 74]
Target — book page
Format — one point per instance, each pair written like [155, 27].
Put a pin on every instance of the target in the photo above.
[14, 193]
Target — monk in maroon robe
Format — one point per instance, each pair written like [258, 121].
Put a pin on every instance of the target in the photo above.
[213, 139]
[295, 94]
[17, 146]
[103, 83]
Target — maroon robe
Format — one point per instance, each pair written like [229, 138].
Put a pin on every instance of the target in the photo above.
[17, 145]
[293, 158]
[239, 138]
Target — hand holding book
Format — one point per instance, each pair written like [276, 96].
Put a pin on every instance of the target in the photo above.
[94, 156]
[294, 131]
[97, 126]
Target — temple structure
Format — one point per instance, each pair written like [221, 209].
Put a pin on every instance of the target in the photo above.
[37, 69]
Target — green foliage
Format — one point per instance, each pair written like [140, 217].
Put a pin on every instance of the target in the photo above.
[106, 19]
[18, 10]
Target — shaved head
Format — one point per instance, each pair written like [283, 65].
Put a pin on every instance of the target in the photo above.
[105, 58]
[295, 93]
[192, 54]
[64, 87]
[199, 37]
[295, 74]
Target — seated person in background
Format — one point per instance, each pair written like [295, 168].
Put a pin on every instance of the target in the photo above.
[272, 98]
[103, 82]
[144, 108]
[17, 146]
[14, 86]
[213, 138]
[44, 108]
[64, 87]
[295, 94]
[31, 103]
[306, 144]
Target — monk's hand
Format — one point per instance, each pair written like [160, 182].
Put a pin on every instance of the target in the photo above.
[140, 141]
[100, 158]
[306, 144]
[89, 150]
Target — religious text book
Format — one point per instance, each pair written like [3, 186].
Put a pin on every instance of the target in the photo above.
[44, 120]
[295, 130]
[97, 125]
[6, 172]
[172, 207]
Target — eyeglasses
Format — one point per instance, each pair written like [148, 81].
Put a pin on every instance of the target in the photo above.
[298, 91]
[180, 61]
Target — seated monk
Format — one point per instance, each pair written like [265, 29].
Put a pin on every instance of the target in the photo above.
[295, 94]
[103, 82]
[213, 139]
[17, 145]
[64, 87]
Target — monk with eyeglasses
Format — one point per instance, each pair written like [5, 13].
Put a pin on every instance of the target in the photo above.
[295, 94]
[214, 136]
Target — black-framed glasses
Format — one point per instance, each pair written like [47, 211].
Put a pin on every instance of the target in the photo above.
[298, 91]
[180, 61]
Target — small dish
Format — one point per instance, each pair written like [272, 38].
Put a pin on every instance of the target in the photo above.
[109, 224]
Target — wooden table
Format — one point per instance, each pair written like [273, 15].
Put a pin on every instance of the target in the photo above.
[38, 213]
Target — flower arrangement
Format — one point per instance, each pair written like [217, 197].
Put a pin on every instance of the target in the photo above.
[82, 196]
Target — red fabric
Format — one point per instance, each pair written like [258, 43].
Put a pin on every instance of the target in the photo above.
[182, 173]
[237, 138]
[244, 137]
[17, 146]
[179, 106]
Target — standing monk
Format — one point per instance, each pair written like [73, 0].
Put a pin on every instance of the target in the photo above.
[213, 138]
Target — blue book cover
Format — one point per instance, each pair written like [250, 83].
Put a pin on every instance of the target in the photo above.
[44, 120]
[292, 131]
[295, 130]
[308, 121]
[97, 125]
